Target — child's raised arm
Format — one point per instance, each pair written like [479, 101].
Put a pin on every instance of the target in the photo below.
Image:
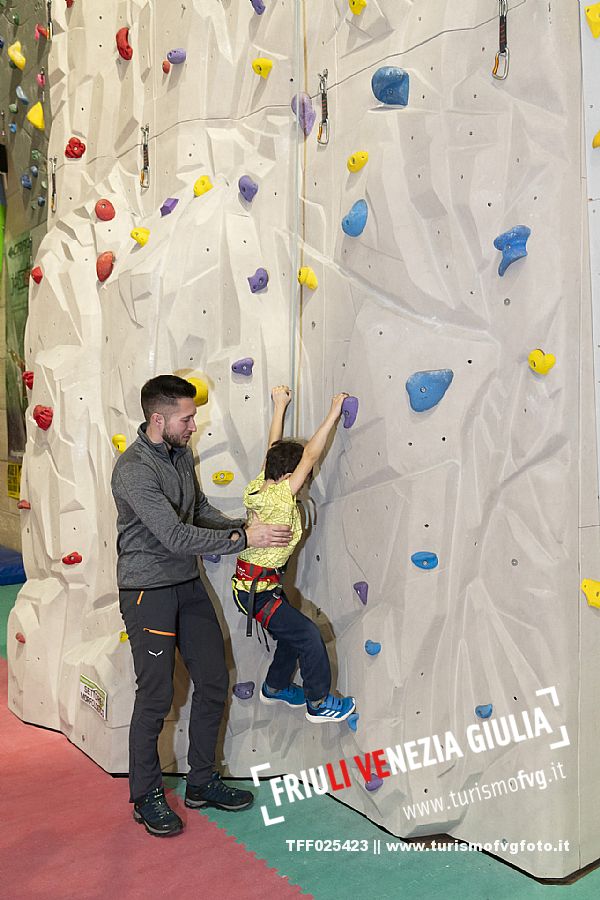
[281, 396]
[316, 445]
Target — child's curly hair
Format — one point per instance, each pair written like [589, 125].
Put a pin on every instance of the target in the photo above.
[282, 457]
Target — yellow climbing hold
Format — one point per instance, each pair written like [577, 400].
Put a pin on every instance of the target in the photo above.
[262, 66]
[591, 589]
[202, 185]
[201, 391]
[15, 55]
[357, 6]
[222, 477]
[123, 636]
[541, 362]
[307, 276]
[592, 14]
[596, 141]
[36, 116]
[119, 442]
[357, 160]
[141, 235]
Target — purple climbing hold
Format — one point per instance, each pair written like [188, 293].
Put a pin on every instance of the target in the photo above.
[168, 206]
[374, 783]
[244, 690]
[212, 557]
[352, 721]
[258, 7]
[362, 589]
[305, 111]
[26, 181]
[258, 281]
[243, 366]
[372, 647]
[248, 188]
[176, 56]
[350, 411]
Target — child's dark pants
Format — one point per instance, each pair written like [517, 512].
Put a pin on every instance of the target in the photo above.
[297, 639]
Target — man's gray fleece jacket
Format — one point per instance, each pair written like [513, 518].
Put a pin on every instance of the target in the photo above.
[163, 519]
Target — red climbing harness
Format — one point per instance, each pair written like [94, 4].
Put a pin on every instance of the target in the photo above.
[250, 572]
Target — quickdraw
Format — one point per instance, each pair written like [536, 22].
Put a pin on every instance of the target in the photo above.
[500, 70]
[323, 133]
[52, 162]
[49, 17]
[145, 172]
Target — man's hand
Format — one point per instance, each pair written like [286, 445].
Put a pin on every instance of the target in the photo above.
[260, 534]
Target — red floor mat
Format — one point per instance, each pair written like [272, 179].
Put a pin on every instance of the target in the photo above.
[67, 833]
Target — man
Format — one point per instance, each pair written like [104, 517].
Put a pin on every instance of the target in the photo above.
[164, 521]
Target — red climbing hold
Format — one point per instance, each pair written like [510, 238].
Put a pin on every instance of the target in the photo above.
[20, 637]
[43, 416]
[72, 559]
[37, 274]
[40, 31]
[75, 148]
[23, 504]
[69, 3]
[104, 210]
[28, 379]
[123, 45]
[166, 66]
[104, 265]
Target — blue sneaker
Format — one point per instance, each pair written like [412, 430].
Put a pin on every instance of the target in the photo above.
[292, 695]
[332, 709]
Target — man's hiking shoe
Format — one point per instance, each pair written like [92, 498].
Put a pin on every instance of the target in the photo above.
[217, 793]
[153, 811]
[292, 695]
[331, 709]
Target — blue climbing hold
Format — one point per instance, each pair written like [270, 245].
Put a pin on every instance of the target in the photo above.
[484, 712]
[41, 201]
[354, 222]
[26, 181]
[424, 559]
[34, 171]
[362, 589]
[21, 95]
[244, 689]
[352, 721]
[512, 244]
[372, 647]
[350, 411]
[212, 557]
[243, 366]
[374, 783]
[12, 128]
[248, 188]
[390, 85]
[426, 389]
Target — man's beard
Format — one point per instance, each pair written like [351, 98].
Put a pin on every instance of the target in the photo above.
[173, 439]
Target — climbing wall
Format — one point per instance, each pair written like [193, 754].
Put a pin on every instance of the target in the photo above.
[23, 37]
[445, 522]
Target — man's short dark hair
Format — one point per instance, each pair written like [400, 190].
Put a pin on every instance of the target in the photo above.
[282, 457]
[164, 391]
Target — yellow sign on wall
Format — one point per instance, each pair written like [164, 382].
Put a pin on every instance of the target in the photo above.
[13, 479]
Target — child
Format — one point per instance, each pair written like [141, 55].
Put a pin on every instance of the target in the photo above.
[256, 584]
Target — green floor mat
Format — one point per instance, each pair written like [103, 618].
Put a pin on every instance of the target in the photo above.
[365, 875]
[8, 595]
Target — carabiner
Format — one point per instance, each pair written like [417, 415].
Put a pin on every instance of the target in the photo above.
[145, 171]
[323, 132]
[500, 72]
